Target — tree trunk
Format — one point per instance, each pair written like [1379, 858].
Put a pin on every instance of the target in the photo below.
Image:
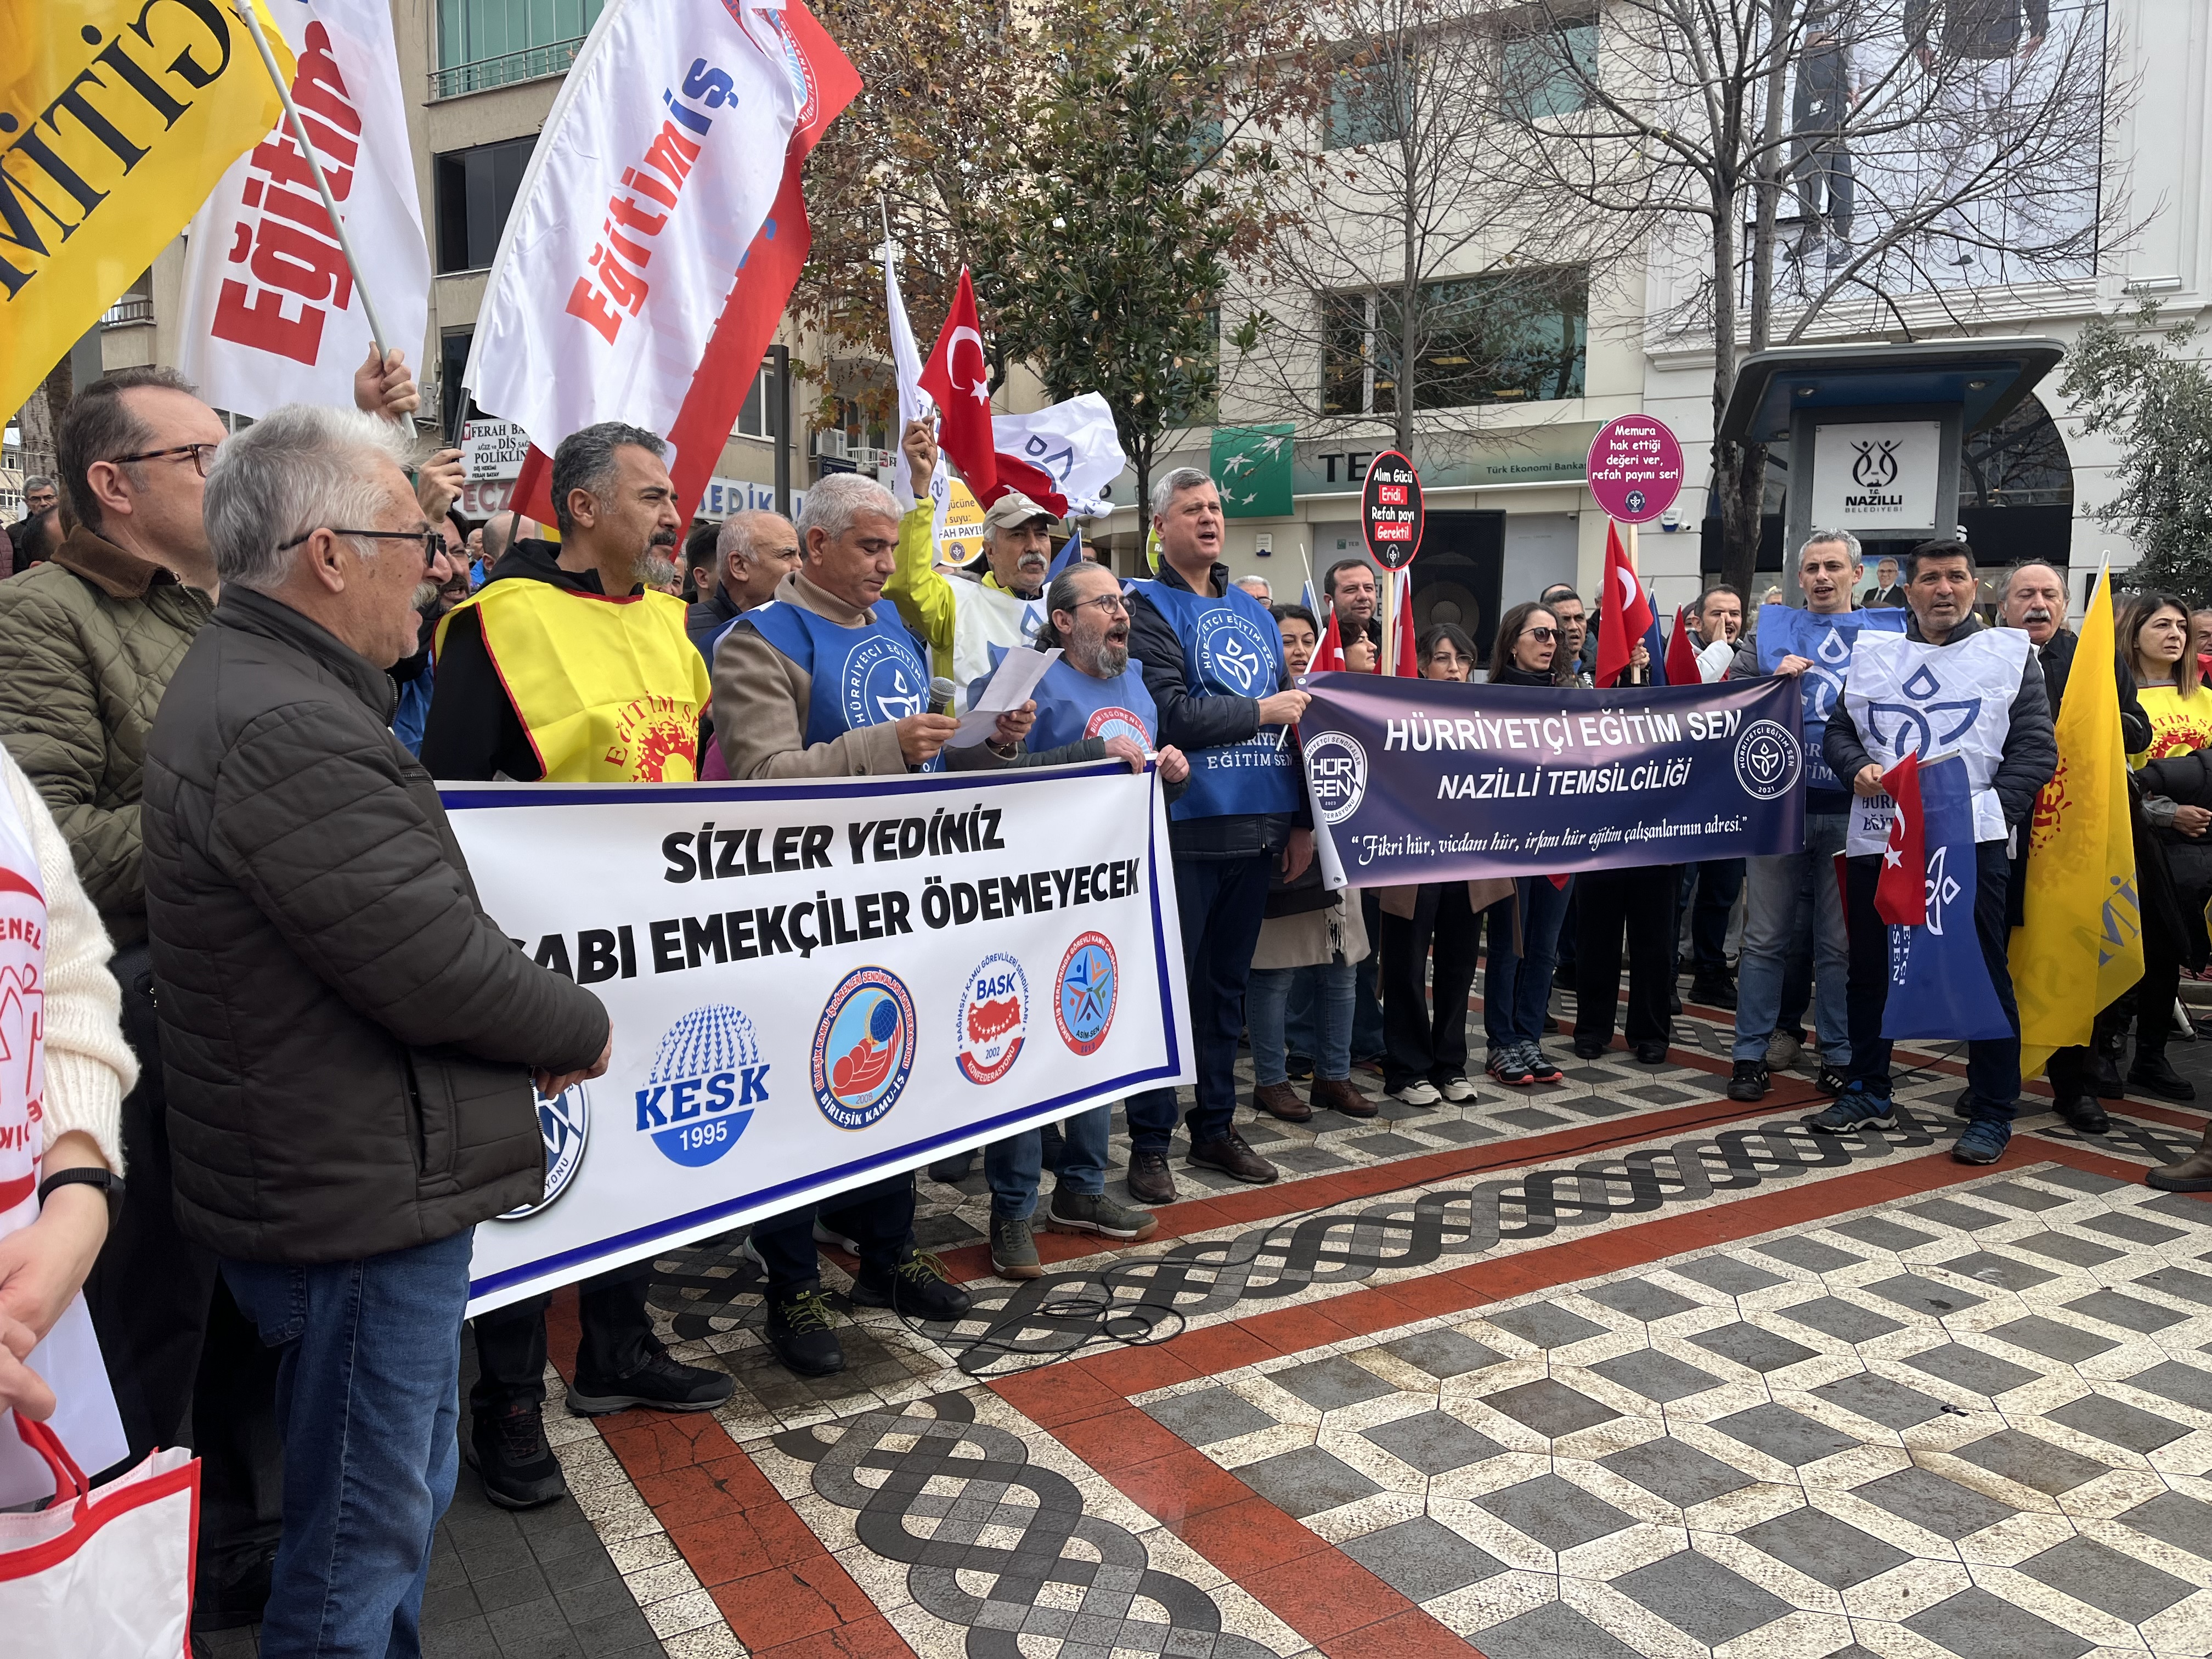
[1739, 469]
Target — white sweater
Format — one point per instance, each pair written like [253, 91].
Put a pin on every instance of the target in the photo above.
[90, 1068]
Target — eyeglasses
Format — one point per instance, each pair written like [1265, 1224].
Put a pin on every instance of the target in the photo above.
[1111, 604]
[1544, 636]
[430, 541]
[201, 454]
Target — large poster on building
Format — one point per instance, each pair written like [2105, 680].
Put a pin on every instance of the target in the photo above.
[817, 985]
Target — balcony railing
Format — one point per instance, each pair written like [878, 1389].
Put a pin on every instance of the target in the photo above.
[531, 63]
[130, 310]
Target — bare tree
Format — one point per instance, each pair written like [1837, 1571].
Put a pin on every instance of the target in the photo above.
[1832, 165]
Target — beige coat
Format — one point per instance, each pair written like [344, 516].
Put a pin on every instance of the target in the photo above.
[1314, 937]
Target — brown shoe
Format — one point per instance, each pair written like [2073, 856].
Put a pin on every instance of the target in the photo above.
[1150, 1180]
[2192, 1174]
[1232, 1157]
[1337, 1094]
[1281, 1100]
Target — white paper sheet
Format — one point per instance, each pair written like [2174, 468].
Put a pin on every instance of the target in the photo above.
[1010, 688]
[84, 1419]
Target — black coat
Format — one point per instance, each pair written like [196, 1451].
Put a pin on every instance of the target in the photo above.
[346, 1035]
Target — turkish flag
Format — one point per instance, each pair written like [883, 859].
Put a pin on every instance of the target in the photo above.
[1409, 659]
[1627, 615]
[959, 376]
[1900, 896]
[1681, 655]
[1328, 655]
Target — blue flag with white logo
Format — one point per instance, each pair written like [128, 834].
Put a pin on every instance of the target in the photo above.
[1826, 642]
[1939, 984]
[1070, 551]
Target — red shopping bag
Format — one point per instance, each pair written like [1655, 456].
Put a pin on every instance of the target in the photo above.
[104, 1574]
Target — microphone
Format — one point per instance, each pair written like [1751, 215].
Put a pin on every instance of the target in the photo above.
[942, 692]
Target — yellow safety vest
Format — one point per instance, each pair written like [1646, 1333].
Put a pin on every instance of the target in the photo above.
[2178, 725]
[608, 690]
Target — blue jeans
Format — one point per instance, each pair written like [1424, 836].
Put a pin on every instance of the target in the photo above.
[1516, 990]
[1300, 1035]
[1267, 998]
[367, 1398]
[1775, 890]
[1015, 1165]
[1223, 902]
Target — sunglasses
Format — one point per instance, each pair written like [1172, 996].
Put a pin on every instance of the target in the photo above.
[1545, 635]
[432, 542]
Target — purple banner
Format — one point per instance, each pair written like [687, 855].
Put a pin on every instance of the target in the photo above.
[1425, 781]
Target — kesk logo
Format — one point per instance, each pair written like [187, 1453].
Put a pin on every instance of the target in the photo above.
[1338, 767]
[1231, 652]
[707, 1076]
[565, 1123]
[1090, 981]
[993, 1017]
[1113, 721]
[862, 1048]
[882, 682]
[1767, 759]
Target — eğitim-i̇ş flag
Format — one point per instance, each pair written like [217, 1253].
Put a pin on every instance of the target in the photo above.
[1939, 984]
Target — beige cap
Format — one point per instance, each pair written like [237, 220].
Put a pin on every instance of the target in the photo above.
[1013, 508]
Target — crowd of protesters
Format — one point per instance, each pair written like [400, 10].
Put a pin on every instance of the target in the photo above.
[236, 663]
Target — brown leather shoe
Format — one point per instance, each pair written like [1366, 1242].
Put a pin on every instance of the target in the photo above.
[1281, 1100]
[1337, 1094]
[2192, 1174]
[1150, 1180]
[1232, 1157]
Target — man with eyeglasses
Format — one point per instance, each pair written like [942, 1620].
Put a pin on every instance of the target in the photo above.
[539, 678]
[445, 586]
[39, 495]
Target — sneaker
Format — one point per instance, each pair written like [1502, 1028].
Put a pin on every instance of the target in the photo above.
[1539, 1064]
[1782, 1051]
[1094, 1212]
[1458, 1090]
[662, 1383]
[1984, 1141]
[1830, 1081]
[1858, 1108]
[1747, 1080]
[1150, 1181]
[1508, 1067]
[1419, 1092]
[509, 1451]
[918, 1286]
[800, 1333]
[1013, 1249]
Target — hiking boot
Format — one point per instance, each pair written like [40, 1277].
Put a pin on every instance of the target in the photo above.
[1508, 1068]
[2151, 1072]
[2085, 1113]
[1228, 1154]
[662, 1383]
[1747, 1080]
[1013, 1251]
[1150, 1181]
[2192, 1174]
[1783, 1050]
[1984, 1141]
[1858, 1108]
[1338, 1094]
[917, 1287]
[1539, 1064]
[799, 1330]
[1094, 1212]
[1281, 1100]
[509, 1451]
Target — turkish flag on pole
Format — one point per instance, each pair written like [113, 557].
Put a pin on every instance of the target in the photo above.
[1328, 655]
[1900, 896]
[958, 375]
[1627, 615]
[1681, 655]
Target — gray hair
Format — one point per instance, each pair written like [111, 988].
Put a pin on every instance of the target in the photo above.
[835, 502]
[303, 468]
[1173, 483]
[586, 461]
[1267, 588]
[39, 481]
[1850, 542]
[736, 535]
[2004, 588]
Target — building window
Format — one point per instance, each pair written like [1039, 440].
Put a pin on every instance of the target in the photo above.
[1362, 106]
[757, 418]
[493, 43]
[455, 406]
[1505, 336]
[1545, 72]
[476, 190]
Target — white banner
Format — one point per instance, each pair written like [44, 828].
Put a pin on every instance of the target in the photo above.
[271, 314]
[657, 166]
[882, 970]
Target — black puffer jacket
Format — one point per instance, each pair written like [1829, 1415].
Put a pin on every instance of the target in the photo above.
[345, 1032]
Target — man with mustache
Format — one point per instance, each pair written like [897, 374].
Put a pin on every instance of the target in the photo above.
[539, 678]
[444, 586]
[961, 617]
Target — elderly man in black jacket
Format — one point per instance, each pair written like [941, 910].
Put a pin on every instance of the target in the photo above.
[2010, 749]
[350, 1040]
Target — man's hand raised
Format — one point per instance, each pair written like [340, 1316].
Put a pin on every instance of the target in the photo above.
[386, 388]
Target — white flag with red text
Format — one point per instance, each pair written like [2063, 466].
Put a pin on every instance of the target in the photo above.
[271, 313]
[659, 162]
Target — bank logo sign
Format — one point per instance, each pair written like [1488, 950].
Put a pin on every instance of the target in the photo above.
[707, 1075]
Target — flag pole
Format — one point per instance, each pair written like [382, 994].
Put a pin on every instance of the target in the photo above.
[245, 8]
[1307, 563]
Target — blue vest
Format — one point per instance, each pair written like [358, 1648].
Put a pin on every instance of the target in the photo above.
[862, 676]
[1072, 706]
[1827, 643]
[1231, 647]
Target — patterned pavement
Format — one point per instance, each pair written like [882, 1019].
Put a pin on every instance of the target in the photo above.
[1618, 1367]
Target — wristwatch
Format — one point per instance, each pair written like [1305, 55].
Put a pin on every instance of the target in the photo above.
[83, 1175]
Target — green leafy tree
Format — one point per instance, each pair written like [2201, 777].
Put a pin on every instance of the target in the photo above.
[2141, 384]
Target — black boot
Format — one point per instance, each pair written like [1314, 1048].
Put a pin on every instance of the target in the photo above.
[2105, 1048]
[2152, 1074]
[2085, 1113]
[509, 1451]
[798, 1328]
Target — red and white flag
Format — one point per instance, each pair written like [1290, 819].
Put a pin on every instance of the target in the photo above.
[1681, 655]
[657, 231]
[272, 315]
[1328, 655]
[1627, 615]
[959, 376]
[1409, 657]
[1900, 892]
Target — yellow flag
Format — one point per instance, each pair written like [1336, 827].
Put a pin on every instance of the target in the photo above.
[117, 117]
[2081, 945]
